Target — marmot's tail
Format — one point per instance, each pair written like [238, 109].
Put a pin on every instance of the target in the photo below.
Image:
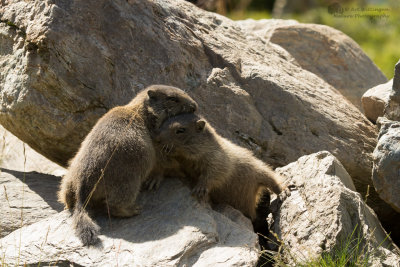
[85, 228]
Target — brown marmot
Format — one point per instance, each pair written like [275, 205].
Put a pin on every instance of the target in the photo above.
[217, 168]
[117, 156]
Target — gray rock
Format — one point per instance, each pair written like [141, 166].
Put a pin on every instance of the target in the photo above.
[18, 156]
[324, 210]
[173, 230]
[26, 198]
[332, 56]
[396, 82]
[67, 63]
[25, 184]
[264, 27]
[393, 109]
[324, 51]
[376, 99]
[386, 169]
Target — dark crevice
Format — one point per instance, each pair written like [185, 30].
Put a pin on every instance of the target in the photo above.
[61, 263]
[315, 133]
[13, 26]
[276, 130]
[268, 243]
[92, 107]
[32, 46]
[249, 140]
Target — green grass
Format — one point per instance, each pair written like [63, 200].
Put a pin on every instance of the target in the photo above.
[351, 252]
[378, 37]
[261, 14]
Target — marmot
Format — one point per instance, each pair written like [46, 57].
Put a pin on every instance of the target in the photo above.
[217, 168]
[117, 156]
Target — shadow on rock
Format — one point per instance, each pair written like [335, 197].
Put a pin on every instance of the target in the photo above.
[44, 185]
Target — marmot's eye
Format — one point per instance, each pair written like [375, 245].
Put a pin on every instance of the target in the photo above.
[173, 99]
[180, 130]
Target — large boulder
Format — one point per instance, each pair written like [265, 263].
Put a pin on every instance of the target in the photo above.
[386, 169]
[65, 63]
[173, 230]
[26, 198]
[324, 212]
[264, 28]
[324, 51]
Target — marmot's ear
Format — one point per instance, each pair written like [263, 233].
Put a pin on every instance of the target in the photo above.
[200, 125]
[152, 94]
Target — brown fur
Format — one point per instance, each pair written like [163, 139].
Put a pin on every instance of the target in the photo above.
[228, 173]
[117, 156]
[165, 167]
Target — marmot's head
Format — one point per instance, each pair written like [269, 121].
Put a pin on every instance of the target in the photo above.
[167, 101]
[184, 135]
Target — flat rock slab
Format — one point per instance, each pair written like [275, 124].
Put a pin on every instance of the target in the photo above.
[18, 156]
[323, 212]
[386, 170]
[26, 198]
[173, 230]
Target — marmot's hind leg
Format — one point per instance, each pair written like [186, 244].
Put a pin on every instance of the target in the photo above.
[126, 212]
[67, 195]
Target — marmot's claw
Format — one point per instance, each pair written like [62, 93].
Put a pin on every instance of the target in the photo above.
[200, 192]
[152, 182]
[286, 192]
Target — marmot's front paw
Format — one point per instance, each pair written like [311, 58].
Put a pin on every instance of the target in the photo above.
[152, 182]
[286, 192]
[200, 192]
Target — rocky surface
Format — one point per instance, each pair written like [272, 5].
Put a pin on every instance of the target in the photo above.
[324, 210]
[324, 51]
[264, 28]
[28, 184]
[18, 156]
[376, 100]
[393, 110]
[26, 198]
[66, 63]
[332, 56]
[173, 230]
[386, 169]
[384, 99]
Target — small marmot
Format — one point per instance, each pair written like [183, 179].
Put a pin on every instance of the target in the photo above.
[216, 168]
[117, 156]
